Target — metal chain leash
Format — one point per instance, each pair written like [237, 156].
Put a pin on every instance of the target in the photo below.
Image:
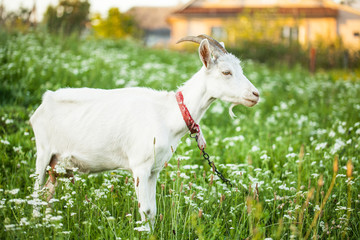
[212, 164]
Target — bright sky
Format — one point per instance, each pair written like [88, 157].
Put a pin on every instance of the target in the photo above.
[101, 6]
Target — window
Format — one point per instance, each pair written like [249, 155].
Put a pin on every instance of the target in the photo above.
[290, 33]
[218, 33]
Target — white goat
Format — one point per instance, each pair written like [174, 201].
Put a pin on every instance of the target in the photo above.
[97, 130]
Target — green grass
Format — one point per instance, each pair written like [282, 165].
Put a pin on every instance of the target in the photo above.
[279, 154]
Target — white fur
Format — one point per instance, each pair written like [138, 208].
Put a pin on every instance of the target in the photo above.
[97, 130]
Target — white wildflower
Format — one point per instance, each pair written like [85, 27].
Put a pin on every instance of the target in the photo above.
[289, 217]
[332, 133]
[283, 187]
[9, 121]
[320, 146]
[100, 193]
[53, 200]
[36, 213]
[291, 155]
[120, 82]
[235, 138]
[283, 106]
[17, 201]
[188, 141]
[337, 146]
[11, 227]
[13, 191]
[340, 175]
[255, 149]
[142, 229]
[264, 157]
[183, 175]
[24, 222]
[182, 158]
[60, 169]
[302, 120]
[5, 142]
[37, 202]
[17, 149]
[195, 166]
[55, 218]
[341, 129]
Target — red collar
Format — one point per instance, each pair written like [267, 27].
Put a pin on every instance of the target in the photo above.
[190, 123]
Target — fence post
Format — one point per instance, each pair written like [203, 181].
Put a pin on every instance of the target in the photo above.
[346, 59]
[312, 65]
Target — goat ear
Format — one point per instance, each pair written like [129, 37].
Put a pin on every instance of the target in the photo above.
[204, 52]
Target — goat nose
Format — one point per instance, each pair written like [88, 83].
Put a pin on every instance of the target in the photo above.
[256, 94]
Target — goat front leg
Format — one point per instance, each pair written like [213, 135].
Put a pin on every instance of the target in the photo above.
[145, 188]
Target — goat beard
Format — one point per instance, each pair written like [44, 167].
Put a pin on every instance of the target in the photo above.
[231, 113]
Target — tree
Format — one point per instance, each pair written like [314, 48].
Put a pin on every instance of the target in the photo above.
[19, 20]
[258, 26]
[68, 16]
[115, 25]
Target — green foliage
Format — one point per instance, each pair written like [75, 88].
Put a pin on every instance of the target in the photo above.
[115, 25]
[328, 56]
[18, 20]
[259, 36]
[69, 16]
[272, 53]
[279, 154]
[256, 26]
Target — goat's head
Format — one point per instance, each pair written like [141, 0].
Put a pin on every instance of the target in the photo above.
[224, 75]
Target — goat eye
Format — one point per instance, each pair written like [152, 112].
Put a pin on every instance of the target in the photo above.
[226, 73]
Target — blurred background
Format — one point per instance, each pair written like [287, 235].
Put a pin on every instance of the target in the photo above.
[297, 152]
[313, 33]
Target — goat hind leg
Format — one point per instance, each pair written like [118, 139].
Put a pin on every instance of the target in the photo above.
[51, 183]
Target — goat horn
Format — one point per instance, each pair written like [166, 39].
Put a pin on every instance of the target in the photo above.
[216, 48]
[190, 39]
[213, 41]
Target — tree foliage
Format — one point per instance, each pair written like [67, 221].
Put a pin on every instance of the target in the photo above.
[115, 25]
[68, 16]
[19, 20]
[258, 26]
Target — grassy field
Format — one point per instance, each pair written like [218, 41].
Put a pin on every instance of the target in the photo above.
[293, 158]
